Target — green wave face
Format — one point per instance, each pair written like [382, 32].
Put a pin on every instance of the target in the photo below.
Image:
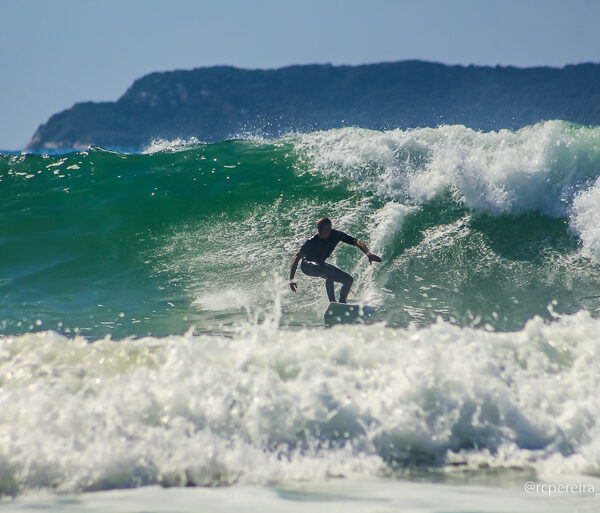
[479, 229]
[116, 243]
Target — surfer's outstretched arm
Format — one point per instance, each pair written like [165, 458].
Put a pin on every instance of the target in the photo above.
[295, 260]
[365, 250]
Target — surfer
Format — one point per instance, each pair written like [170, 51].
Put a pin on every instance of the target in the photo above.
[317, 249]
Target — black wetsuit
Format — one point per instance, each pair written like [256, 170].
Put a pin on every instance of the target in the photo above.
[314, 253]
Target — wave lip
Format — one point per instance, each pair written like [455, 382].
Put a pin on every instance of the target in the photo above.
[535, 169]
[162, 145]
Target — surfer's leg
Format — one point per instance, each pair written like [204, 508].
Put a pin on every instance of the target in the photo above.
[329, 284]
[339, 276]
[328, 272]
[323, 271]
[346, 281]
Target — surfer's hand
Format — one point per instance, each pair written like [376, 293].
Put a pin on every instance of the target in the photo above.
[293, 286]
[373, 258]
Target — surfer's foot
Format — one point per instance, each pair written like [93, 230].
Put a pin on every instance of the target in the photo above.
[342, 300]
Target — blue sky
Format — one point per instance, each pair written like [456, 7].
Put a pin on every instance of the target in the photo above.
[56, 53]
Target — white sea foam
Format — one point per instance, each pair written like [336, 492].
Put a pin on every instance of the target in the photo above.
[540, 168]
[227, 299]
[387, 223]
[268, 405]
[158, 145]
[384, 226]
[585, 220]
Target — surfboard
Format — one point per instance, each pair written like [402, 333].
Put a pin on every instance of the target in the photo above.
[347, 313]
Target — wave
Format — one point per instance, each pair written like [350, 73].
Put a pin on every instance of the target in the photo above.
[206, 369]
[271, 406]
[478, 228]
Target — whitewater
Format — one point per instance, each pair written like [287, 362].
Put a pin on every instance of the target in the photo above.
[148, 335]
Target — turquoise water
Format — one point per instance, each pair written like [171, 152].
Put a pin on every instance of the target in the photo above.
[148, 335]
[478, 229]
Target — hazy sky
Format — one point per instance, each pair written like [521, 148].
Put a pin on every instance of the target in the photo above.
[56, 53]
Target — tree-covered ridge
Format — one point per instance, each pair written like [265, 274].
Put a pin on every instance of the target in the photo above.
[217, 103]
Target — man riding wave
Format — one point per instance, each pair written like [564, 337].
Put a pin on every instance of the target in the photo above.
[317, 249]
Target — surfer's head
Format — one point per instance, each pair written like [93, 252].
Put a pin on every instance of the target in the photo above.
[324, 227]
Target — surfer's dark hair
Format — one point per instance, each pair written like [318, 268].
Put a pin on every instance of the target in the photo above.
[324, 221]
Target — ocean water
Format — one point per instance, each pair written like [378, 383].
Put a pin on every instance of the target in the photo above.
[148, 335]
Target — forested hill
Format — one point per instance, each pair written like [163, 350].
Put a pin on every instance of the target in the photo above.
[218, 103]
